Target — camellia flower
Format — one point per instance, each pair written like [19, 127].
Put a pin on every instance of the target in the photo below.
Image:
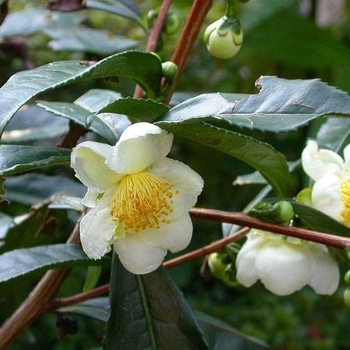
[139, 198]
[331, 191]
[285, 264]
[224, 37]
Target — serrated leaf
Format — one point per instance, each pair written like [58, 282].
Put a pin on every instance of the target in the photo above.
[280, 105]
[19, 262]
[148, 312]
[22, 86]
[141, 110]
[96, 99]
[18, 159]
[263, 157]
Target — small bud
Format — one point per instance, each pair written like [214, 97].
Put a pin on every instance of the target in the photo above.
[347, 278]
[282, 212]
[347, 297]
[224, 37]
[172, 23]
[216, 266]
[170, 70]
[229, 276]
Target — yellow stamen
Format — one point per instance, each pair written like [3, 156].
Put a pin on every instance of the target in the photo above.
[142, 200]
[345, 196]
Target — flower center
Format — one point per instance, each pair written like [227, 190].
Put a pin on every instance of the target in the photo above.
[345, 196]
[142, 200]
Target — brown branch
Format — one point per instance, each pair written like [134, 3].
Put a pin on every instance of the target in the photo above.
[188, 38]
[245, 220]
[37, 301]
[154, 35]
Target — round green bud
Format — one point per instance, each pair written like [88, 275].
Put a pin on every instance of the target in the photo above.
[347, 277]
[282, 212]
[224, 37]
[151, 17]
[347, 297]
[216, 266]
[170, 70]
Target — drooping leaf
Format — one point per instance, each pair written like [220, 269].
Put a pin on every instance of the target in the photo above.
[141, 110]
[19, 262]
[152, 305]
[263, 157]
[90, 40]
[18, 159]
[281, 105]
[22, 86]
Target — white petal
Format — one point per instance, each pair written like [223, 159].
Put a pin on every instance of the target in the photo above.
[317, 162]
[90, 198]
[88, 161]
[326, 196]
[324, 272]
[184, 179]
[247, 274]
[347, 157]
[282, 267]
[137, 256]
[140, 145]
[96, 230]
[174, 236]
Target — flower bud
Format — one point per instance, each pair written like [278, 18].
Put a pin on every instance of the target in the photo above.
[172, 23]
[280, 212]
[347, 296]
[224, 37]
[216, 265]
[229, 276]
[170, 70]
[347, 278]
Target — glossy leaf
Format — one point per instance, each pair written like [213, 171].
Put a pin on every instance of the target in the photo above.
[138, 109]
[280, 105]
[22, 86]
[153, 305]
[19, 262]
[263, 157]
[18, 159]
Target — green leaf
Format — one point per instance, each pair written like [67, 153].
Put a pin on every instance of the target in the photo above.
[141, 110]
[97, 308]
[149, 312]
[19, 262]
[263, 157]
[124, 8]
[22, 86]
[88, 40]
[317, 221]
[18, 159]
[280, 105]
[334, 134]
[33, 20]
[223, 337]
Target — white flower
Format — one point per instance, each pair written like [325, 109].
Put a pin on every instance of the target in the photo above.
[139, 198]
[331, 191]
[285, 265]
